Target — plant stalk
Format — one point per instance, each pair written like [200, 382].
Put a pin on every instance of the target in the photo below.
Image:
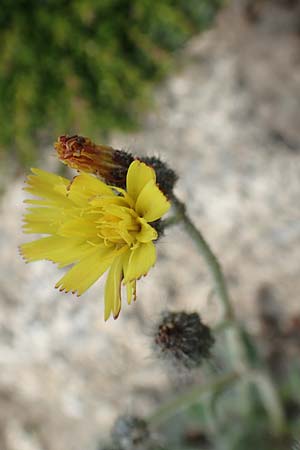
[209, 257]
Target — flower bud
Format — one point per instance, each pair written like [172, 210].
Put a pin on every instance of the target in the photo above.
[130, 432]
[183, 339]
[81, 153]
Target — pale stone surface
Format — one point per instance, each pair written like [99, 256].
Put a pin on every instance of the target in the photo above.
[228, 123]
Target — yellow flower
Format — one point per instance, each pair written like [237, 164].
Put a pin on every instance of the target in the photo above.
[96, 227]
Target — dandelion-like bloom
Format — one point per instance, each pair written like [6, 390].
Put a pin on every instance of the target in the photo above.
[96, 227]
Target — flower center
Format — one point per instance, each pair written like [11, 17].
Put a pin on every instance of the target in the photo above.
[115, 222]
[119, 229]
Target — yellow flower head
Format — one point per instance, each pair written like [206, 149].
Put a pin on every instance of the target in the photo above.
[96, 227]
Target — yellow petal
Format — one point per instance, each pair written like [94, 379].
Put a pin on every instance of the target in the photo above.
[147, 233]
[151, 203]
[138, 176]
[84, 187]
[106, 201]
[49, 186]
[120, 211]
[141, 259]
[55, 248]
[79, 227]
[112, 295]
[125, 196]
[87, 271]
[49, 177]
[44, 220]
[131, 291]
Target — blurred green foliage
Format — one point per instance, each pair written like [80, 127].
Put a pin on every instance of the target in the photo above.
[85, 65]
[232, 429]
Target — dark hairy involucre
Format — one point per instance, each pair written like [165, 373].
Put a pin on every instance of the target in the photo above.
[183, 339]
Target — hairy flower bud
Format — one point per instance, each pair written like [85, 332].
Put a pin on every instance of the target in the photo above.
[81, 153]
[183, 339]
[130, 432]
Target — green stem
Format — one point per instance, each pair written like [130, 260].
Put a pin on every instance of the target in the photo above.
[240, 354]
[211, 260]
[170, 221]
[271, 400]
[224, 325]
[190, 397]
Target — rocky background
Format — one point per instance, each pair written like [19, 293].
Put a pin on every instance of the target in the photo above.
[228, 122]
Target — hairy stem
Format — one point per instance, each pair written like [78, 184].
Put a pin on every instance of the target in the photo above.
[206, 252]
